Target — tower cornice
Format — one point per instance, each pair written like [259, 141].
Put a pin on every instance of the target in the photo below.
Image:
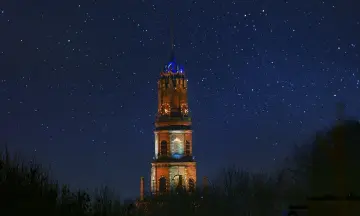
[170, 123]
[182, 131]
[166, 164]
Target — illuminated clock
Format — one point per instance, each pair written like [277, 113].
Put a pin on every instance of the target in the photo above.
[184, 109]
[165, 109]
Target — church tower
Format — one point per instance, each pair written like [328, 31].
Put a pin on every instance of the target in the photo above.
[173, 165]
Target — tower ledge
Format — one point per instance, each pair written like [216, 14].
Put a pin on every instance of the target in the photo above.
[175, 161]
[163, 121]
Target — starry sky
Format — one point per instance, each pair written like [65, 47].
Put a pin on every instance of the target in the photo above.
[78, 81]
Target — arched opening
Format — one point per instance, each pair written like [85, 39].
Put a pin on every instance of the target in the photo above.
[163, 148]
[187, 148]
[178, 181]
[162, 185]
[191, 185]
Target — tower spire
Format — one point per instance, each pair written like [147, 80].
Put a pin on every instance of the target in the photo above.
[172, 35]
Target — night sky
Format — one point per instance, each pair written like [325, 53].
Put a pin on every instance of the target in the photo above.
[78, 81]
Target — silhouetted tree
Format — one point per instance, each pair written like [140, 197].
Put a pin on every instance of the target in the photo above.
[106, 203]
[25, 189]
[329, 163]
[327, 168]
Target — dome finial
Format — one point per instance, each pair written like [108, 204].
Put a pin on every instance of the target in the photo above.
[172, 35]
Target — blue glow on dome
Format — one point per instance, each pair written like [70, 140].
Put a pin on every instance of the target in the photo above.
[173, 67]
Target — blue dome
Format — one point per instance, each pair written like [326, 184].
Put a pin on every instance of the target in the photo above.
[173, 67]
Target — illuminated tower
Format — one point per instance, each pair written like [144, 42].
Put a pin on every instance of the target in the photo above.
[173, 165]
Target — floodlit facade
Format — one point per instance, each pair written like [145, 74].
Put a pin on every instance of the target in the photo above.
[173, 165]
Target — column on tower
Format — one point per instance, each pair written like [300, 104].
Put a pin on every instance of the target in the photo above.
[142, 189]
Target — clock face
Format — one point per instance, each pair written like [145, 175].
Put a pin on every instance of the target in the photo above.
[165, 109]
[184, 109]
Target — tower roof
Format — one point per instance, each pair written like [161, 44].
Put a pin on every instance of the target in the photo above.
[173, 67]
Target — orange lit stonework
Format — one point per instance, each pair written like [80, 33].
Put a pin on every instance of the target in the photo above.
[173, 165]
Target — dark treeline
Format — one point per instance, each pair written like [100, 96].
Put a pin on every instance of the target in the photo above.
[328, 168]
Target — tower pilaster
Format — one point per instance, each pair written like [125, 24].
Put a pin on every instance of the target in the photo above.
[142, 189]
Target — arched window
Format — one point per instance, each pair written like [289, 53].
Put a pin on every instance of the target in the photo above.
[187, 148]
[163, 148]
[162, 185]
[191, 185]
